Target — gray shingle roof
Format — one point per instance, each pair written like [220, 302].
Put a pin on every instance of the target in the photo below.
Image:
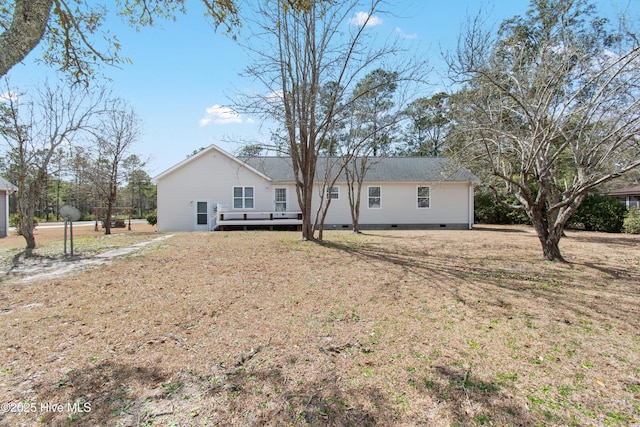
[383, 169]
[628, 191]
[6, 185]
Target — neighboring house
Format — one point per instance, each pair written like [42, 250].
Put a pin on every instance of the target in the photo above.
[5, 189]
[215, 190]
[630, 196]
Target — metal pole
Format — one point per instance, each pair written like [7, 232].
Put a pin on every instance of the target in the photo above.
[65, 236]
[71, 235]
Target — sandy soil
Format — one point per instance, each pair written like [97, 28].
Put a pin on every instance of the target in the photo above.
[436, 328]
[48, 233]
[54, 258]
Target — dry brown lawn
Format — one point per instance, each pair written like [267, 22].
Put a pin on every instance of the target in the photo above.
[434, 328]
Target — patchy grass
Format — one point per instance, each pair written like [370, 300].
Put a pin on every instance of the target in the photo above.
[430, 328]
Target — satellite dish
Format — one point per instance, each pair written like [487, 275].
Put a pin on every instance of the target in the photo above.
[70, 213]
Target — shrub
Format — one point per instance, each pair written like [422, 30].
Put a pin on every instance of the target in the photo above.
[599, 213]
[14, 221]
[632, 221]
[488, 211]
[152, 218]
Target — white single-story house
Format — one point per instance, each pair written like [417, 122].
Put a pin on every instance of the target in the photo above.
[6, 188]
[213, 190]
[630, 196]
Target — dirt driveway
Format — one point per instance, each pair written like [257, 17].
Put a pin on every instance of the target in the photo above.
[91, 248]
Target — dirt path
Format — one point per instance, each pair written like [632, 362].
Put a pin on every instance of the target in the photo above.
[51, 263]
[48, 268]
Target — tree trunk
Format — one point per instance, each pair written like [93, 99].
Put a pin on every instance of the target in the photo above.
[354, 201]
[356, 208]
[27, 232]
[26, 226]
[307, 223]
[549, 238]
[107, 220]
[25, 199]
[110, 203]
[551, 249]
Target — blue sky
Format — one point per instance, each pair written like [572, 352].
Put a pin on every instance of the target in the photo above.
[184, 74]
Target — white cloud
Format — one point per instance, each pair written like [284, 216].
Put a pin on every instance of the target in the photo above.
[363, 18]
[9, 96]
[276, 97]
[220, 115]
[405, 35]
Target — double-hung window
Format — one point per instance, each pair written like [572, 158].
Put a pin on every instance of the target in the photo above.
[281, 199]
[424, 197]
[243, 197]
[374, 198]
[333, 193]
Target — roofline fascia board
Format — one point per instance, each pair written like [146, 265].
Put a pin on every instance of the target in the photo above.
[9, 187]
[210, 148]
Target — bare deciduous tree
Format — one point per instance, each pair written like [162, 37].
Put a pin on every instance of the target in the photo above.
[34, 131]
[309, 50]
[552, 108]
[120, 129]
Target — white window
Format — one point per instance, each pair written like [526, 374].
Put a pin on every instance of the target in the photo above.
[333, 193]
[374, 198]
[280, 198]
[243, 197]
[424, 197]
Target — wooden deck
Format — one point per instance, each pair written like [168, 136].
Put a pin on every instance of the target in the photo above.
[244, 219]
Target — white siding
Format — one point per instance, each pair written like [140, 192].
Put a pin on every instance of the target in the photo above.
[449, 204]
[211, 177]
[4, 214]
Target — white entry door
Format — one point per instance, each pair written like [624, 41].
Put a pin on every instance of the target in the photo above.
[201, 215]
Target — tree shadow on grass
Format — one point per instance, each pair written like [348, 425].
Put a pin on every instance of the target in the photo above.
[502, 287]
[329, 401]
[321, 402]
[102, 394]
[609, 239]
[504, 229]
[473, 401]
[254, 394]
[112, 394]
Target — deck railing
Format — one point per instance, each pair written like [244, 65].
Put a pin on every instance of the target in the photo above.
[233, 217]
